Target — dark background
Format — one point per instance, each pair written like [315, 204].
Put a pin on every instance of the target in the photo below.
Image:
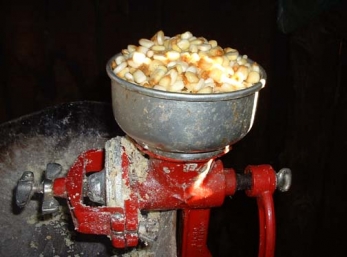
[53, 52]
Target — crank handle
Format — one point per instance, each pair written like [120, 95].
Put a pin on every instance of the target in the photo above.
[264, 181]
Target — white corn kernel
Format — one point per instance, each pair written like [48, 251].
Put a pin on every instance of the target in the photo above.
[231, 80]
[232, 55]
[154, 65]
[157, 48]
[205, 90]
[193, 48]
[180, 77]
[229, 71]
[204, 47]
[216, 51]
[133, 64]
[209, 80]
[186, 35]
[185, 57]
[216, 75]
[183, 44]
[147, 61]
[173, 75]
[172, 55]
[225, 87]
[125, 52]
[178, 68]
[225, 61]
[150, 53]
[120, 59]
[162, 67]
[161, 88]
[253, 77]
[203, 54]
[160, 57]
[213, 43]
[159, 37]
[242, 61]
[145, 84]
[165, 81]
[167, 43]
[156, 76]
[229, 49]
[171, 64]
[184, 65]
[191, 77]
[189, 87]
[146, 42]
[142, 49]
[199, 85]
[196, 42]
[242, 72]
[177, 86]
[217, 60]
[194, 58]
[123, 72]
[139, 76]
[139, 58]
[212, 85]
[176, 48]
[132, 48]
[205, 63]
[239, 86]
[247, 84]
[120, 67]
[204, 40]
[192, 69]
[129, 76]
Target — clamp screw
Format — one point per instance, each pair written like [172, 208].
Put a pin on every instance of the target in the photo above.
[26, 188]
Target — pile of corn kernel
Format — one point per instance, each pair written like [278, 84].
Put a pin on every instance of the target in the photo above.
[185, 64]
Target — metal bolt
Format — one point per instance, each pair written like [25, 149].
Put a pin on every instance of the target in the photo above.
[284, 179]
[96, 187]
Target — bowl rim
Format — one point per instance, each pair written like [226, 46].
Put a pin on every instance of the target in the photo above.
[208, 97]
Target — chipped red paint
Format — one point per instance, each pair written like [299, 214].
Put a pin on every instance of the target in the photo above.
[171, 185]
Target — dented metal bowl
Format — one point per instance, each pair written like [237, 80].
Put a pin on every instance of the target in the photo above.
[179, 125]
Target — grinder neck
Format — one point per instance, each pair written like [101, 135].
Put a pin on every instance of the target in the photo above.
[182, 157]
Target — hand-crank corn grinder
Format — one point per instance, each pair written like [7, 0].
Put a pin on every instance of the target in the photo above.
[167, 161]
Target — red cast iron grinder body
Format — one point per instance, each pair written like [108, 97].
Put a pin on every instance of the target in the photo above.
[194, 187]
